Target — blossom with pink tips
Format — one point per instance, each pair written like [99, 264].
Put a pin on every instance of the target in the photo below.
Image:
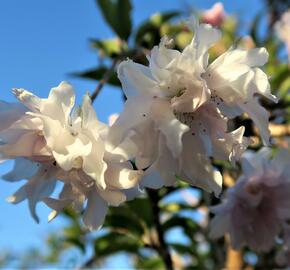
[215, 15]
[256, 208]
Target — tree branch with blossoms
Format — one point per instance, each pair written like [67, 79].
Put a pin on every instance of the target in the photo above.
[200, 119]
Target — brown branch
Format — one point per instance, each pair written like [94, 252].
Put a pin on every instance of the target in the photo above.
[279, 130]
[234, 260]
[104, 80]
[162, 247]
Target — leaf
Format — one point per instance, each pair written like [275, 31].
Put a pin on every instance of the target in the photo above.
[182, 249]
[108, 47]
[114, 242]
[97, 74]
[149, 31]
[75, 241]
[188, 225]
[143, 210]
[150, 263]
[123, 219]
[118, 15]
[254, 32]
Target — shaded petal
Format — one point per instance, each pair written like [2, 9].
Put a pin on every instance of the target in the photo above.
[165, 121]
[22, 169]
[39, 186]
[113, 197]
[9, 113]
[122, 176]
[59, 103]
[95, 211]
[136, 79]
[260, 117]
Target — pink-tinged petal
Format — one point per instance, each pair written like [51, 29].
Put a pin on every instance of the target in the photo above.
[215, 15]
[219, 226]
[10, 113]
[136, 111]
[25, 146]
[197, 169]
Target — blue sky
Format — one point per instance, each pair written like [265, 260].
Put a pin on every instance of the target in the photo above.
[41, 43]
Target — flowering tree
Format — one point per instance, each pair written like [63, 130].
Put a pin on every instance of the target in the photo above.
[201, 145]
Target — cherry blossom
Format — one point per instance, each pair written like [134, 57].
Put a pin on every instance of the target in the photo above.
[257, 207]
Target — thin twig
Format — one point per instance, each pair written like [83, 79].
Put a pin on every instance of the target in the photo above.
[162, 248]
[104, 80]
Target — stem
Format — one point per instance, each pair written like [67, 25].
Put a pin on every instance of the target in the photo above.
[162, 248]
[104, 80]
[234, 260]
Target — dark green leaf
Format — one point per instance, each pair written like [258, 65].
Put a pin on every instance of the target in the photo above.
[118, 15]
[143, 210]
[114, 242]
[97, 74]
[108, 47]
[124, 219]
[149, 31]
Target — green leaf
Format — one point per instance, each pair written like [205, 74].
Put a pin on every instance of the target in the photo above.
[97, 74]
[108, 47]
[123, 219]
[114, 242]
[149, 31]
[182, 249]
[150, 263]
[75, 241]
[118, 15]
[143, 210]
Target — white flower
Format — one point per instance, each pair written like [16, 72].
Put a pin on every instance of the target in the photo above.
[51, 141]
[172, 98]
[257, 207]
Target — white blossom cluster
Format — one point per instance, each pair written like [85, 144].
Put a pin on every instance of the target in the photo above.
[175, 120]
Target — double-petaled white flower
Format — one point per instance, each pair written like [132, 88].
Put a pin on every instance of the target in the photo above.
[50, 141]
[256, 209]
[178, 108]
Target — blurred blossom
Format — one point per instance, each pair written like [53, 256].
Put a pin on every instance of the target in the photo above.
[256, 209]
[215, 15]
[283, 29]
[51, 141]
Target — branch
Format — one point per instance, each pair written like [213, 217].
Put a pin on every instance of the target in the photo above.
[104, 80]
[162, 248]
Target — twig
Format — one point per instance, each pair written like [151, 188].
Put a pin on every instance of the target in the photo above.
[162, 248]
[88, 264]
[104, 80]
[234, 260]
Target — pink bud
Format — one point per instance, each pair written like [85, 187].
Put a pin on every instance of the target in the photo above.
[215, 15]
